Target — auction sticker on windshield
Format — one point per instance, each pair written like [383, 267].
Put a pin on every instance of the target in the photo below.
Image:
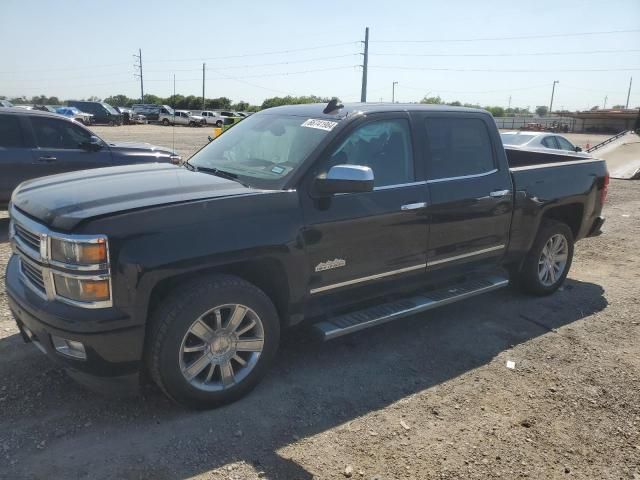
[319, 124]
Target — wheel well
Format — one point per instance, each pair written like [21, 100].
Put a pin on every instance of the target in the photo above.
[267, 274]
[570, 214]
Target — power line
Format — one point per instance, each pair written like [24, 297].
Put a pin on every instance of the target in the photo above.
[253, 65]
[583, 52]
[258, 54]
[520, 37]
[273, 74]
[436, 69]
[474, 91]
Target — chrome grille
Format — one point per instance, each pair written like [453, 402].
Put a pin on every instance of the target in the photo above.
[33, 273]
[31, 239]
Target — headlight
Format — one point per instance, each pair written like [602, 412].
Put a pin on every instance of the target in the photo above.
[78, 252]
[82, 290]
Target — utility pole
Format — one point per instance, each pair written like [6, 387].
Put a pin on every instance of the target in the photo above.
[604, 105]
[553, 90]
[203, 65]
[365, 63]
[628, 93]
[393, 92]
[139, 74]
[509, 107]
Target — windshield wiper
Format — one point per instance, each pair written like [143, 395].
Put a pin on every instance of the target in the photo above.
[217, 172]
[221, 173]
[193, 168]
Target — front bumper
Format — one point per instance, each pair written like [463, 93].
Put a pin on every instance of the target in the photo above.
[112, 354]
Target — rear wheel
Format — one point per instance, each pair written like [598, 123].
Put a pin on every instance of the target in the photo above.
[214, 343]
[547, 263]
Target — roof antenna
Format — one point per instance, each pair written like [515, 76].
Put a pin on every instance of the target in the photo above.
[332, 106]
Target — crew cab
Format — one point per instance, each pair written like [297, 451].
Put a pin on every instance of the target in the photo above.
[336, 217]
[34, 144]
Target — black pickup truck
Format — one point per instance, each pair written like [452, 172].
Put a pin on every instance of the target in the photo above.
[341, 217]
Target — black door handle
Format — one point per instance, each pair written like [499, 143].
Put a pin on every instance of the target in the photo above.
[47, 159]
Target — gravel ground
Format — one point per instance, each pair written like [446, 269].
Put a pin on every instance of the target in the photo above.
[185, 140]
[425, 397]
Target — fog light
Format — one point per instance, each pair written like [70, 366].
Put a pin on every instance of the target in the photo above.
[69, 348]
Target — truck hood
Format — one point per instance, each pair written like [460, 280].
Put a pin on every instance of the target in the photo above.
[63, 201]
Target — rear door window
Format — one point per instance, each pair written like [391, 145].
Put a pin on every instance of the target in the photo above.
[550, 142]
[58, 134]
[564, 144]
[10, 132]
[457, 147]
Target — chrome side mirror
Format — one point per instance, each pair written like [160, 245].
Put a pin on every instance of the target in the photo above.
[345, 179]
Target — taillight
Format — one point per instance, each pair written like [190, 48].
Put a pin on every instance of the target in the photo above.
[605, 189]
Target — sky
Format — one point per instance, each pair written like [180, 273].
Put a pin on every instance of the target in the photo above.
[471, 51]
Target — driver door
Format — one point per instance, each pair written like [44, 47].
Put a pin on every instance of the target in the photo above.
[363, 239]
[58, 147]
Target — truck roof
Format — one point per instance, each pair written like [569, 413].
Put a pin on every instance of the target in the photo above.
[317, 109]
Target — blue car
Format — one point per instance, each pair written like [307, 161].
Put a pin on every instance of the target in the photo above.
[73, 112]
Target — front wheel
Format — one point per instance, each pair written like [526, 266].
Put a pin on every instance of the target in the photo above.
[219, 124]
[212, 341]
[165, 122]
[547, 264]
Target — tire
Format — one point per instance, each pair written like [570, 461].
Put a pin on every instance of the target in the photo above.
[531, 277]
[192, 124]
[165, 122]
[219, 124]
[112, 123]
[171, 334]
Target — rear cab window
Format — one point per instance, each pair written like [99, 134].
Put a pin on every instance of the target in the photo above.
[457, 147]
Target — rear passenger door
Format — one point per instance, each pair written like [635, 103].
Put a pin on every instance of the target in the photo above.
[471, 199]
[15, 155]
[58, 147]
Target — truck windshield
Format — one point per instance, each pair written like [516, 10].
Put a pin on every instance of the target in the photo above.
[515, 138]
[264, 149]
[110, 109]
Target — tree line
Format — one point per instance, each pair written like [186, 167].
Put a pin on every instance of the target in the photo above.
[193, 102]
[180, 102]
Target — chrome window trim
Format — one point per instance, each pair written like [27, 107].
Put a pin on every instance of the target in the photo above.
[465, 255]
[42, 260]
[463, 177]
[367, 278]
[399, 185]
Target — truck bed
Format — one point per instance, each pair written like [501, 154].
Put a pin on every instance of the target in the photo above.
[524, 157]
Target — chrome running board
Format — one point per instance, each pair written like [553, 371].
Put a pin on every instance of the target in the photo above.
[386, 312]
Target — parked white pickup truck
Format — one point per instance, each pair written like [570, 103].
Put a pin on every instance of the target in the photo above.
[181, 117]
[212, 118]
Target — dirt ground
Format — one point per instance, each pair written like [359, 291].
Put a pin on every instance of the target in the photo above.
[185, 140]
[424, 398]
